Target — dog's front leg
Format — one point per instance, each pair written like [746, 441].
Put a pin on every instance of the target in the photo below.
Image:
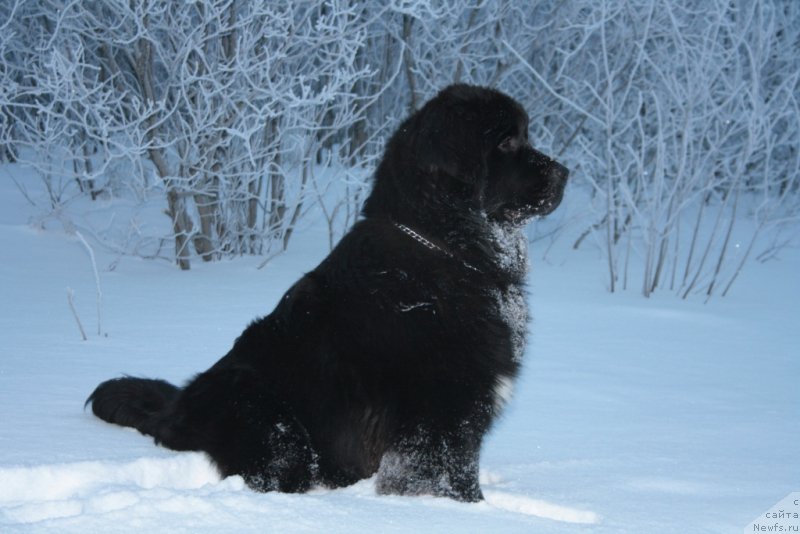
[430, 461]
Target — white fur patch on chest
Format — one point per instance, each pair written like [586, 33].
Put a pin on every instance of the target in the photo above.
[503, 389]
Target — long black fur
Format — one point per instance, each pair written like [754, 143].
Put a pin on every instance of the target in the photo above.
[390, 356]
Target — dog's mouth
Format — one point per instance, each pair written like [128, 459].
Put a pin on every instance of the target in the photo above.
[530, 199]
[516, 216]
[539, 208]
[546, 206]
[554, 193]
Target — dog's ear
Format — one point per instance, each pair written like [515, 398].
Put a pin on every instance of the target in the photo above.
[447, 139]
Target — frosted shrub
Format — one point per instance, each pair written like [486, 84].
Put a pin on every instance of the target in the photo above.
[227, 104]
[683, 119]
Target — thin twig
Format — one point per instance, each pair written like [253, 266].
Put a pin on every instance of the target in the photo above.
[70, 294]
[96, 281]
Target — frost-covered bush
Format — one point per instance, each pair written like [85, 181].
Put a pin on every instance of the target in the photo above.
[680, 111]
[224, 105]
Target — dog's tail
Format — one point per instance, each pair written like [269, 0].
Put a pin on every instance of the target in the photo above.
[133, 402]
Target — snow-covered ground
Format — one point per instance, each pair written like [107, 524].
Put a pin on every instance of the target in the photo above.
[631, 415]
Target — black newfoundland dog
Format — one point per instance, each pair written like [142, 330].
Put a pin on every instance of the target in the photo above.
[398, 351]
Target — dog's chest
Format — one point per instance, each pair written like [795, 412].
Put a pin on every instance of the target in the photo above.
[512, 309]
[511, 250]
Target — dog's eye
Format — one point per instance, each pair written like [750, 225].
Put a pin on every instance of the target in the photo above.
[508, 144]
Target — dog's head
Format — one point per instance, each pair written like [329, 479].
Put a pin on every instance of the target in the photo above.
[479, 137]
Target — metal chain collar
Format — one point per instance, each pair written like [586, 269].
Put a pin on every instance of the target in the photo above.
[427, 243]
